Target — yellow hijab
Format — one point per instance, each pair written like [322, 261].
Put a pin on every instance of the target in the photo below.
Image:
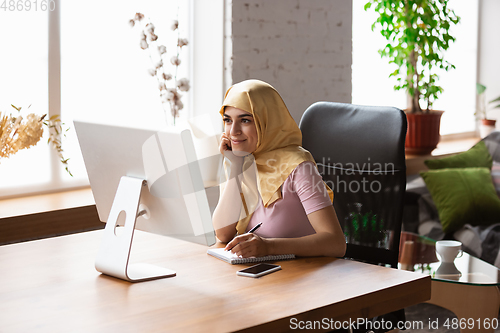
[279, 149]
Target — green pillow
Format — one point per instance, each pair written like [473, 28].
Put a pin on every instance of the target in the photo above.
[477, 156]
[463, 195]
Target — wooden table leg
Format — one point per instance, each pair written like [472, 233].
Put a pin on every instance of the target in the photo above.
[475, 306]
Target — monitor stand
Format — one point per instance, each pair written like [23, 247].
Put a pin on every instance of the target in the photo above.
[114, 253]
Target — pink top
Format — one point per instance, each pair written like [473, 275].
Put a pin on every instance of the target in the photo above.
[303, 193]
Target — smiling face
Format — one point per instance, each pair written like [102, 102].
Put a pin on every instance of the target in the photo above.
[239, 127]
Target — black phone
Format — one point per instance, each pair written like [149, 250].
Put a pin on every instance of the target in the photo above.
[259, 270]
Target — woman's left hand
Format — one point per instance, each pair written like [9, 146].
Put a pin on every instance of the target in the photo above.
[248, 245]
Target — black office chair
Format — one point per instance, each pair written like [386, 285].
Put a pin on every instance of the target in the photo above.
[360, 153]
[492, 141]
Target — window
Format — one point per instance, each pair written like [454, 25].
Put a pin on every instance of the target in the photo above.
[104, 75]
[24, 82]
[104, 72]
[370, 73]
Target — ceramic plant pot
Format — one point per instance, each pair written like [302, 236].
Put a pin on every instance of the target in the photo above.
[423, 135]
[486, 127]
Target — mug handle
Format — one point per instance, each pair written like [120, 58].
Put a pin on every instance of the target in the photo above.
[460, 253]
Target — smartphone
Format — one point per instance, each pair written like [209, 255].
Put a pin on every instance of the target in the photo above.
[259, 270]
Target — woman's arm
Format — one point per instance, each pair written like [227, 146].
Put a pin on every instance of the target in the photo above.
[227, 212]
[327, 241]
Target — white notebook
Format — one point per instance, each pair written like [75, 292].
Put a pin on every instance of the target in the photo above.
[233, 259]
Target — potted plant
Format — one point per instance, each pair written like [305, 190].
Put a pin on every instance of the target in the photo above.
[487, 125]
[418, 33]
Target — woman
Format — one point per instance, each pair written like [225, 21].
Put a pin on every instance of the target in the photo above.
[271, 180]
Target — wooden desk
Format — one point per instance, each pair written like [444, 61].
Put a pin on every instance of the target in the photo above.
[51, 285]
[47, 215]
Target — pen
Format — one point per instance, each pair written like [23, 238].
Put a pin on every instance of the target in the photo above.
[251, 231]
[255, 228]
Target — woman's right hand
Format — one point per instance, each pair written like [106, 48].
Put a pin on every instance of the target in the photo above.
[226, 150]
[225, 143]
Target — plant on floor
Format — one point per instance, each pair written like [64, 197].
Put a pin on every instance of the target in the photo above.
[418, 34]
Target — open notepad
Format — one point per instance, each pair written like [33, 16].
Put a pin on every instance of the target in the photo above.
[233, 259]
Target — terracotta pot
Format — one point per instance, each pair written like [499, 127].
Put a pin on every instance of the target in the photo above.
[488, 122]
[487, 126]
[423, 135]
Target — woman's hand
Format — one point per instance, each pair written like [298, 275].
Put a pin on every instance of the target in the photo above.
[226, 150]
[249, 245]
[225, 143]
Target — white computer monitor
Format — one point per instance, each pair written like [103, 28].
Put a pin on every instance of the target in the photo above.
[144, 179]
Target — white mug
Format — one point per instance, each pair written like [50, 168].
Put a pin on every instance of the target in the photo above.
[449, 250]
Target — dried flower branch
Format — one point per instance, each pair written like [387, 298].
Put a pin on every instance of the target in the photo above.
[169, 86]
[17, 134]
[55, 126]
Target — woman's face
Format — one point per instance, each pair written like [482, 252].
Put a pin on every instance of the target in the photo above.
[240, 128]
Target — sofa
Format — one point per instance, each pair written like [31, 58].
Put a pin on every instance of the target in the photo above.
[459, 198]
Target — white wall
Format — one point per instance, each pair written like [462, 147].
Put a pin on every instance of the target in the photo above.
[489, 51]
[301, 47]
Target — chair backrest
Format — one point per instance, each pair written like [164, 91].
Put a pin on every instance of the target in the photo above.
[492, 142]
[360, 153]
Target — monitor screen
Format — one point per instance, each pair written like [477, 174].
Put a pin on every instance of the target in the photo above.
[174, 200]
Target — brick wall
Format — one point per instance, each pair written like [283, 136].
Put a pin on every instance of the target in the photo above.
[301, 47]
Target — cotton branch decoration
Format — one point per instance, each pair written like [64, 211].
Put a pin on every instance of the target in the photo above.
[171, 88]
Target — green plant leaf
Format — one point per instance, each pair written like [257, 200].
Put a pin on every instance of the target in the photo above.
[495, 100]
[418, 34]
